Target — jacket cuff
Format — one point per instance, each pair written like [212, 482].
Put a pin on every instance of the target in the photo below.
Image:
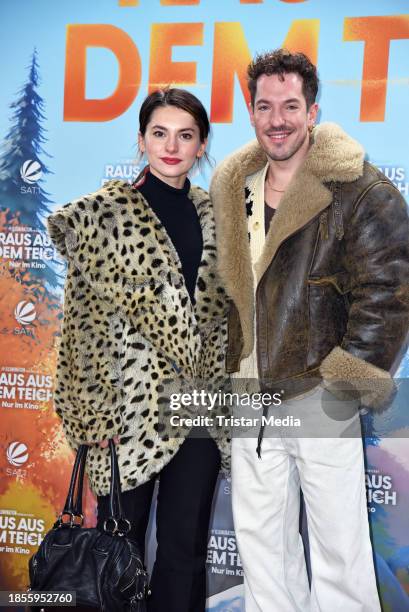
[346, 375]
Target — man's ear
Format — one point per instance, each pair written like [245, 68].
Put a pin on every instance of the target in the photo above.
[312, 115]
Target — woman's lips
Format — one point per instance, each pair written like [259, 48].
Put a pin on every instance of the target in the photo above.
[171, 161]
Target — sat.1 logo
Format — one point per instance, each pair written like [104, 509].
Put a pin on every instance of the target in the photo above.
[17, 455]
[25, 314]
[30, 173]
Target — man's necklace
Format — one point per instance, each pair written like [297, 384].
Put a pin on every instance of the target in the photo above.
[273, 189]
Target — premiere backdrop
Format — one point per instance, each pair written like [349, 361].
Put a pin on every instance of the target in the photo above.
[73, 76]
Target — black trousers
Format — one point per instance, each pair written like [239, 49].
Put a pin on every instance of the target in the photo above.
[186, 487]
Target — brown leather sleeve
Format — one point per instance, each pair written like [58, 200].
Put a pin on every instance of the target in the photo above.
[377, 257]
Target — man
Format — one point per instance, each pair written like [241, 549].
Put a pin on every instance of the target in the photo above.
[313, 248]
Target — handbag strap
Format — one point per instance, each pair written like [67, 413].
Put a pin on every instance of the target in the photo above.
[115, 489]
[116, 522]
[119, 522]
[80, 485]
[71, 508]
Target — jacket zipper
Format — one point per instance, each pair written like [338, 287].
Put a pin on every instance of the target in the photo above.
[259, 285]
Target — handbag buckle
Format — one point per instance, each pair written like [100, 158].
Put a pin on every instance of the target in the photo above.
[72, 519]
[109, 521]
[119, 526]
[124, 526]
[81, 520]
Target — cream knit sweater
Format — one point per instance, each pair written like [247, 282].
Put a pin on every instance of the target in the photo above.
[255, 222]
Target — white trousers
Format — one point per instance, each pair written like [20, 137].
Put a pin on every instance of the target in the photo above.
[266, 504]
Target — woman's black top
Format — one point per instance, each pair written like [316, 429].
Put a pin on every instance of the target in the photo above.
[178, 215]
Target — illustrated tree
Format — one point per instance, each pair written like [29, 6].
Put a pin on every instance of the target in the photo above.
[22, 169]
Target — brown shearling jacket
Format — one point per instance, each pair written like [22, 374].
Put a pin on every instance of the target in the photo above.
[332, 294]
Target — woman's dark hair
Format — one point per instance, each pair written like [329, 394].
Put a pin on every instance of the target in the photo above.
[172, 96]
[282, 62]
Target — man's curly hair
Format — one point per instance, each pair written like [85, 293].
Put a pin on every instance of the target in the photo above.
[282, 62]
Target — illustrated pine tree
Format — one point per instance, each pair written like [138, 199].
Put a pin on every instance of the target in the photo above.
[22, 169]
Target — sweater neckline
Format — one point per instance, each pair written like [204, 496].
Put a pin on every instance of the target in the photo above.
[159, 184]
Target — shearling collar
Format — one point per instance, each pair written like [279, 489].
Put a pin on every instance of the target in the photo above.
[333, 156]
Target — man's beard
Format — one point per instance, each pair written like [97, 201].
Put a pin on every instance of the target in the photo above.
[288, 154]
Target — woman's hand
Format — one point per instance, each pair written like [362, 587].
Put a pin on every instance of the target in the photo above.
[104, 443]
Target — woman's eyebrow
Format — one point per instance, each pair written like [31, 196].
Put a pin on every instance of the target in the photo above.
[161, 127]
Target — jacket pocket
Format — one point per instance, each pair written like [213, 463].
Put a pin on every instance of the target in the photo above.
[328, 314]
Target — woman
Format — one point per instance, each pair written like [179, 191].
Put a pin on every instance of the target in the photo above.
[143, 305]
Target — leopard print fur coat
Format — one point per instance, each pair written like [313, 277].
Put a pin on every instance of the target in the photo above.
[129, 326]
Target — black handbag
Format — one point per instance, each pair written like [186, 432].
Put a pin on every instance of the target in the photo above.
[103, 567]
